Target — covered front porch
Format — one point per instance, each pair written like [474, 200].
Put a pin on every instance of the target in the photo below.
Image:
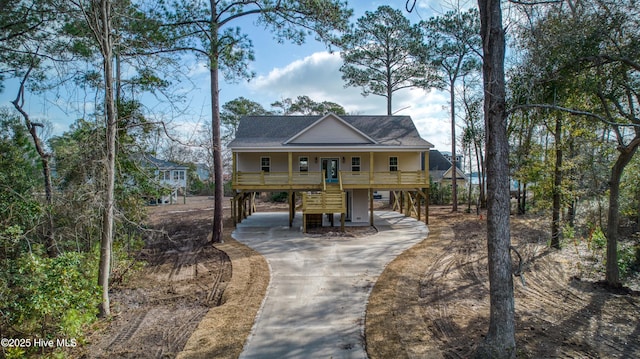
[380, 180]
[332, 183]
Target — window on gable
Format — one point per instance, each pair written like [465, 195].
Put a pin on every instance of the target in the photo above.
[265, 164]
[393, 164]
[304, 164]
[355, 164]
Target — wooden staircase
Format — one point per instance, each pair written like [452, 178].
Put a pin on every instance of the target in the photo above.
[331, 200]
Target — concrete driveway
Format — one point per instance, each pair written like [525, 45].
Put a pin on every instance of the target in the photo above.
[316, 300]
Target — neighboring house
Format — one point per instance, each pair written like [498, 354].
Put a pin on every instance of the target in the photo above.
[170, 176]
[336, 162]
[441, 170]
[202, 170]
[459, 158]
[474, 177]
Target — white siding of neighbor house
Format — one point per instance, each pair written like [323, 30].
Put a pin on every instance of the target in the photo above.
[330, 130]
[176, 178]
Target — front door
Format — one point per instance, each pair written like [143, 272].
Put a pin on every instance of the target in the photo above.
[330, 168]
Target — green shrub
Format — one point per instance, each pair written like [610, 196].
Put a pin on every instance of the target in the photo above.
[626, 258]
[568, 231]
[597, 238]
[49, 298]
[280, 197]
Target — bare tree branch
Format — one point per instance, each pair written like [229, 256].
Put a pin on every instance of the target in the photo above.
[573, 112]
[535, 2]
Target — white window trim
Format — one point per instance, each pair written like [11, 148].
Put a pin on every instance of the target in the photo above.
[269, 166]
[300, 164]
[397, 165]
[359, 165]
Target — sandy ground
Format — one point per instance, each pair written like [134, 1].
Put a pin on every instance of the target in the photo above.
[432, 301]
[187, 287]
[195, 300]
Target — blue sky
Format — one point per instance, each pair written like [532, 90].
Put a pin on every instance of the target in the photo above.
[282, 70]
[286, 70]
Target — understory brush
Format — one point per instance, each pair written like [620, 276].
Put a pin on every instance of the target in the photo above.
[53, 299]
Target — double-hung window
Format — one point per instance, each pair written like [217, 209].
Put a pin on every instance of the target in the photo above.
[393, 164]
[265, 164]
[304, 164]
[355, 164]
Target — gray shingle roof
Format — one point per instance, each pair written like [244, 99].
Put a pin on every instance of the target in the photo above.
[273, 131]
[157, 163]
[437, 162]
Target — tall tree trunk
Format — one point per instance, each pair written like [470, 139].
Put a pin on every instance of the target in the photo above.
[527, 146]
[521, 209]
[480, 179]
[477, 145]
[500, 339]
[625, 155]
[470, 176]
[216, 236]
[454, 175]
[519, 198]
[389, 93]
[571, 209]
[557, 186]
[481, 172]
[106, 47]
[52, 245]
[524, 198]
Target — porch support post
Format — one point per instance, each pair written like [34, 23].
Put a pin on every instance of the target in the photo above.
[371, 188]
[290, 159]
[233, 211]
[245, 204]
[394, 201]
[426, 167]
[370, 206]
[236, 207]
[253, 200]
[343, 213]
[419, 205]
[234, 168]
[407, 204]
[239, 206]
[370, 169]
[304, 214]
[291, 207]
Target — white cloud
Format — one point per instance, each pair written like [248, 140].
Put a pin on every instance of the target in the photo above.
[318, 76]
[309, 76]
[197, 68]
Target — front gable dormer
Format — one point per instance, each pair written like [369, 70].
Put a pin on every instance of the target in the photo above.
[330, 129]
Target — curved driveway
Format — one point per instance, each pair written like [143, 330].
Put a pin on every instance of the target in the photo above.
[316, 300]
